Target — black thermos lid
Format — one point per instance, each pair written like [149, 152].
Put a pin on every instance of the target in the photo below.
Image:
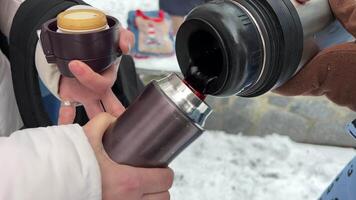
[239, 47]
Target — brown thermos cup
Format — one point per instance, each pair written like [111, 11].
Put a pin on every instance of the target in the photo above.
[160, 124]
[81, 34]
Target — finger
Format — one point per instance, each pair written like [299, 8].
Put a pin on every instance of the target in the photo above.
[127, 40]
[156, 180]
[97, 126]
[90, 79]
[66, 115]
[110, 74]
[159, 196]
[112, 104]
[93, 108]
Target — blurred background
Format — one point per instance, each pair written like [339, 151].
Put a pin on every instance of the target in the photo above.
[269, 147]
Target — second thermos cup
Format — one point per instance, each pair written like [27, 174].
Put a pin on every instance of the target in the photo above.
[158, 125]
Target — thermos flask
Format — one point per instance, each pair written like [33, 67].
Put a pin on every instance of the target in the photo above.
[158, 125]
[248, 47]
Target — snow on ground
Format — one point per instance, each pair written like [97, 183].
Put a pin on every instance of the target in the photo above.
[235, 167]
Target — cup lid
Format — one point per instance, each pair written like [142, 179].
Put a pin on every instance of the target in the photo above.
[81, 20]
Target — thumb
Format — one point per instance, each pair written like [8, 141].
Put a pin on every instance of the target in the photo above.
[96, 128]
[127, 40]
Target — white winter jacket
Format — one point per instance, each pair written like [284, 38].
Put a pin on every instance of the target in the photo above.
[54, 163]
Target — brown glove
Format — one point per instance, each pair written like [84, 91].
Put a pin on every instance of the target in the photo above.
[333, 71]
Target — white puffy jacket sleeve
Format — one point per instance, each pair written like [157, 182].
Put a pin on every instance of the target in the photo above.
[54, 163]
[48, 73]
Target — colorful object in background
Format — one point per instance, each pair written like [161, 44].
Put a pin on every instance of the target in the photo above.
[153, 33]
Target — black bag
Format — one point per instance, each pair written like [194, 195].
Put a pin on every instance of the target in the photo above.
[4, 45]
[23, 39]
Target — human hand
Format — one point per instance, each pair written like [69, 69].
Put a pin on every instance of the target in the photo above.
[125, 182]
[332, 72]
[91, 89]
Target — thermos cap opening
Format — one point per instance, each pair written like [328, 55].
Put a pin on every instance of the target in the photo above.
[223, 41]
[200, 45]
[256, 45]
[185, 99]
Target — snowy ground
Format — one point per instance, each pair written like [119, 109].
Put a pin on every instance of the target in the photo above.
[229, 167]
[236, 167]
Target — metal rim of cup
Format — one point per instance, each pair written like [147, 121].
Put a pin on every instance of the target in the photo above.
[185, 99]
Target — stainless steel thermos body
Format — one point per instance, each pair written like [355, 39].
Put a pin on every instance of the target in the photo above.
[161, 122]
[314, 16]
[248, 47]
[320, 28]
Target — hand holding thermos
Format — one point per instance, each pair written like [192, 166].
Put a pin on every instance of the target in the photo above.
[122, 181]
[332, 72]
[86, 44]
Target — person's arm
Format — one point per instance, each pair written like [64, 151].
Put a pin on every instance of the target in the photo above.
[69, 162]
[49, 163]
[48, 73]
